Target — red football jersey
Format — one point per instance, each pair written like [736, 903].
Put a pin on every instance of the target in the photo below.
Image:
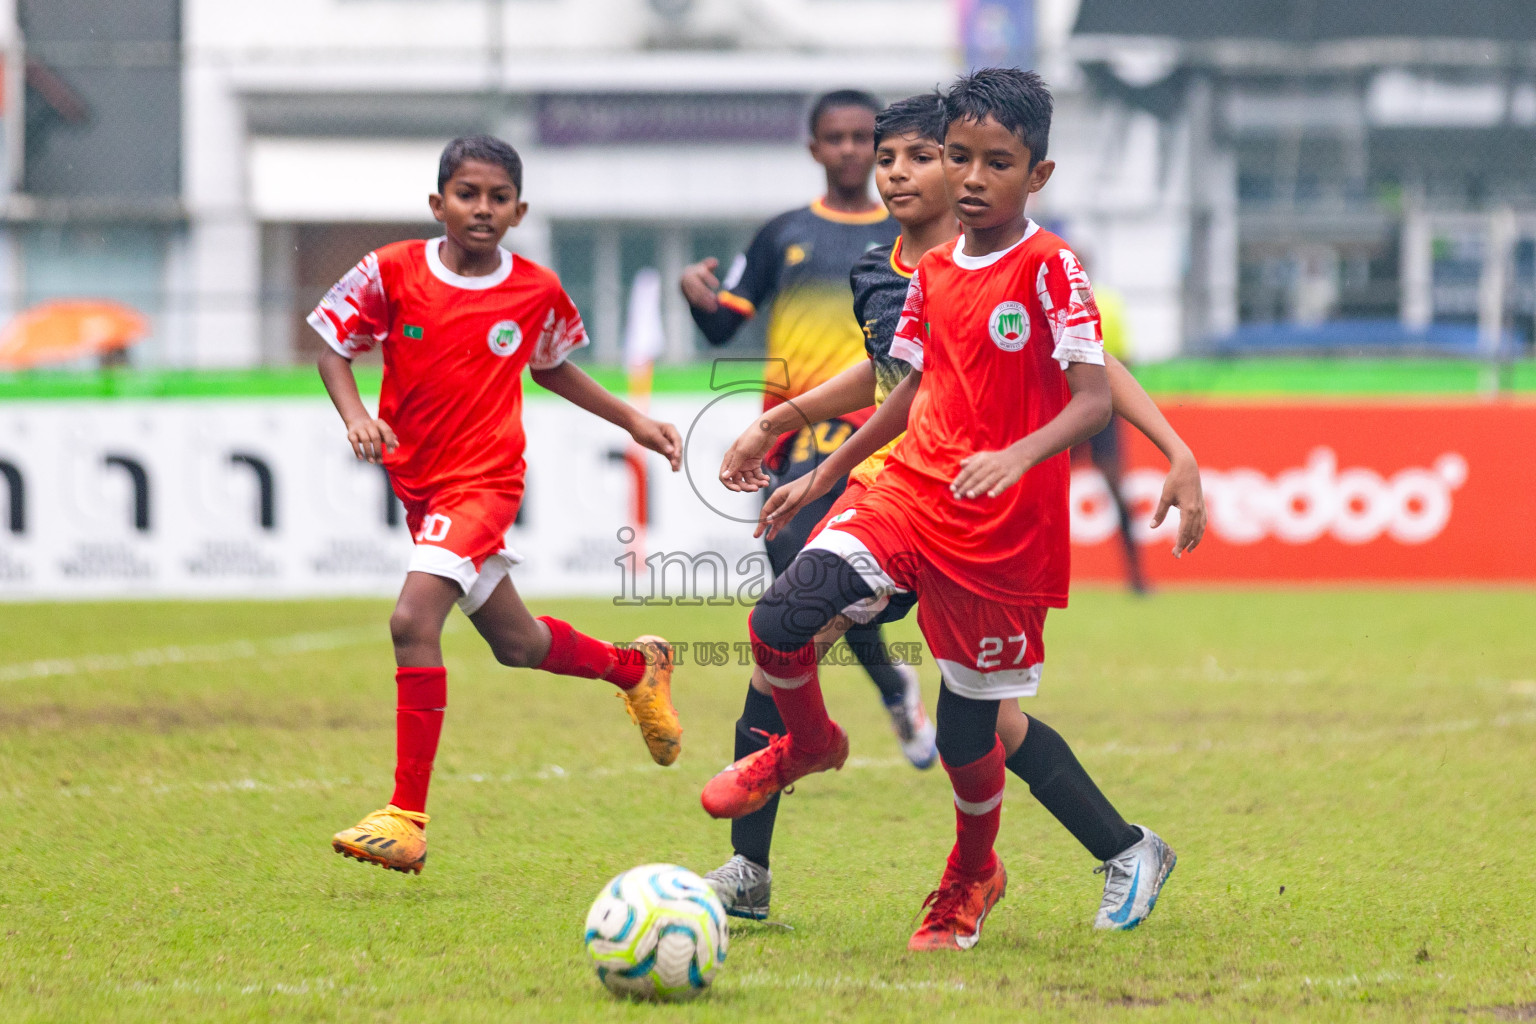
[454, 352]
[993, 336]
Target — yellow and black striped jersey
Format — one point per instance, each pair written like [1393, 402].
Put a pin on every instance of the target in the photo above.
[796, 269]
[879, 281]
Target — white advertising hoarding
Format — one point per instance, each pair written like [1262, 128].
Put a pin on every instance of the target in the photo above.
[263, 498]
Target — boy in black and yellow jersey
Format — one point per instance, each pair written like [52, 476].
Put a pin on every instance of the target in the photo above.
[796, 273]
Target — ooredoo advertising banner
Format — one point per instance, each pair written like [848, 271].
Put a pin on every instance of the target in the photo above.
[262, 498]
[1434, 491]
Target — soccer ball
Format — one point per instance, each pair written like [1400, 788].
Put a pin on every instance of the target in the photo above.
[657, 932]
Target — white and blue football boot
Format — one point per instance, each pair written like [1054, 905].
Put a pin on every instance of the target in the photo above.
[911, 724]
[1132, 882]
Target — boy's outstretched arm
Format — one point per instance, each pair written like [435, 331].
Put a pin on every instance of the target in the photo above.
[701, 288]
[571, 383]
[718, 311]
[1181, 488]
[1088, 412]
[883, 427]
[849, 391]
[370, 437]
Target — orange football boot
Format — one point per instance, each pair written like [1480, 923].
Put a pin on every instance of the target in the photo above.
[957, 909]
[748, 784]
[649, 702]
[389, 837]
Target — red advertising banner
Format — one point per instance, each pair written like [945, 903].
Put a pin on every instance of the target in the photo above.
[1365, 492]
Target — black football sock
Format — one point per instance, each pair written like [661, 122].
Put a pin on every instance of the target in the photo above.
[1059, 782]
[752, 834]
[869, 647]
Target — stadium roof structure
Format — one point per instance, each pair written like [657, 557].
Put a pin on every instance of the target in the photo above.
[1310, 21]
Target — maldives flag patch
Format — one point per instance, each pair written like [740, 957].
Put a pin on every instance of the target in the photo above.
[413, 332]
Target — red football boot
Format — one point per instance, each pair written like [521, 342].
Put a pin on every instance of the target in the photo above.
[956, 910]
[748, 784]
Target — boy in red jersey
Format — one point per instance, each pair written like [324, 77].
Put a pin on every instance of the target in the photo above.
[970, 511]
[459, 318]
[909, 175]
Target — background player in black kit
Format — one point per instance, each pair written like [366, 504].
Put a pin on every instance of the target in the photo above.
[910, 184]
[795, 272]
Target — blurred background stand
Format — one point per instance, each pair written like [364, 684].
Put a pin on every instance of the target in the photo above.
[1258, 180]
[68, 331]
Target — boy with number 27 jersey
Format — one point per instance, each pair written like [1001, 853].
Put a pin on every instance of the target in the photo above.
[983, 392]
[970, 513]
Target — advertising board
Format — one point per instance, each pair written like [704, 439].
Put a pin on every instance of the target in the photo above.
[262, 498]
[1360, 492]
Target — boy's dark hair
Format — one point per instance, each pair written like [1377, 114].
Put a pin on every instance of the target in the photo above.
[841, 98]
[484, 148]
[1018, 100]
[921, 115]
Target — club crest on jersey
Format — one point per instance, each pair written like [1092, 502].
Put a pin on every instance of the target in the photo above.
[1009, 326]
[505, 337]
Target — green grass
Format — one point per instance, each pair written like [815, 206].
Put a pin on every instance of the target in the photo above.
[1345, 774]
[1258, 377]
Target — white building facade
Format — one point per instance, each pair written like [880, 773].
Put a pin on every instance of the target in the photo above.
[298, 134]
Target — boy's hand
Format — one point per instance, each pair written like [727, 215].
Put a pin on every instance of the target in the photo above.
[659, 437]
[1182, 490]
[989, 473]
[699, 284]
[742, 467]
[784, 503]
[370, 439]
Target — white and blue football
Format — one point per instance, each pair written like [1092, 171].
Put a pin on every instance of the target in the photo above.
[657, 932]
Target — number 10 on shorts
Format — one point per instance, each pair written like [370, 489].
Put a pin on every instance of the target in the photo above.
[434, 528]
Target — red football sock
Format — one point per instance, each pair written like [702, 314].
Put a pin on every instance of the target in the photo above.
[422, 693]
[796, 692]
[978, 790]
[572, 653]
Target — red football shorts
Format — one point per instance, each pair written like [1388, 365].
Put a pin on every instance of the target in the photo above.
[851, 493]
[986, 649]
[461, 535]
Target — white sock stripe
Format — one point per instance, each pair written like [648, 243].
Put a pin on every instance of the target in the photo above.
[787, 683]
[976, 809]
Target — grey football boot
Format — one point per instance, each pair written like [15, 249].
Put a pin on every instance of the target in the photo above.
[743, 887]
[1133, 880]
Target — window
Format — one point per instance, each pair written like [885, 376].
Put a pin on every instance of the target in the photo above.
[598, 261]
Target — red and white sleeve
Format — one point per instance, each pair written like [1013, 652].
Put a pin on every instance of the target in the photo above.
[562, 333]
[1067, 298]
[354, 315]
[911, 330]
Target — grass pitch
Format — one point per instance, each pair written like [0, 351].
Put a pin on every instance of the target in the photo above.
[1346, 777]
